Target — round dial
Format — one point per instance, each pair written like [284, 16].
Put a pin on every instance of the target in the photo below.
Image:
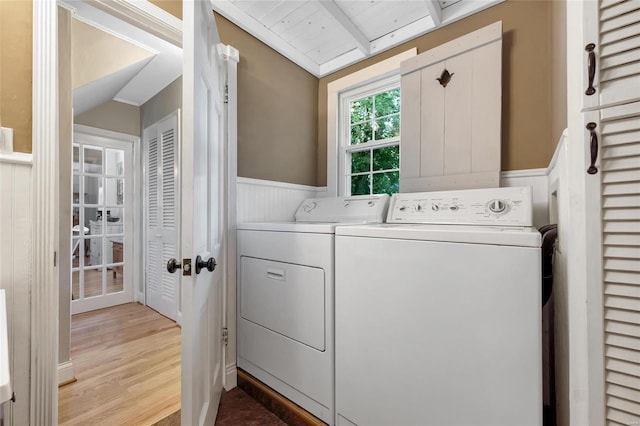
[497, 206]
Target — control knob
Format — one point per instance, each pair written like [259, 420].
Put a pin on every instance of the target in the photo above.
[497, 206]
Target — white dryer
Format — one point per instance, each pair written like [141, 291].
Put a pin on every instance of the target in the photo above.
[286, 294]
[438, 318]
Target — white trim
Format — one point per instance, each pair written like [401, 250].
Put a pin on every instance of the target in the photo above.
[65, 373]
[379, 70]
[95, 131]
[17, 158]
[524, 173]
[44, 287]
[231, 376]
[343, 20]
[435, 11]
[275, 184]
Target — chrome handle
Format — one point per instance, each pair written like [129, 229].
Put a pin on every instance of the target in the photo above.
[209, 264]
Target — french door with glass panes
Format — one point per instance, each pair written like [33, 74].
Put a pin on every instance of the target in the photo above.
[102, 223]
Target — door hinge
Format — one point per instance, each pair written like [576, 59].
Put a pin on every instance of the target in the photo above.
[226, 93]
[225, 336]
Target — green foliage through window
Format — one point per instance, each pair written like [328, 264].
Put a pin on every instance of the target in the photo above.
[374, 119]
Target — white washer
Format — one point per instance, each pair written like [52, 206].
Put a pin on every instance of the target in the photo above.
[285, 298]
[439, 323]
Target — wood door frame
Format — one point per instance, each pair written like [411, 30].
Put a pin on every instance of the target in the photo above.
[44, 284]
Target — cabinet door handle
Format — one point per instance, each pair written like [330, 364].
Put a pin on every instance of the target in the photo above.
[591, 127]
[591, 68]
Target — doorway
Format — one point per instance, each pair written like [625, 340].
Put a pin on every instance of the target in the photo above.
[102, 221]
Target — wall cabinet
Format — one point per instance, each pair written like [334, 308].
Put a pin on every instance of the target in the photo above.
[451, 114]
[612, 53]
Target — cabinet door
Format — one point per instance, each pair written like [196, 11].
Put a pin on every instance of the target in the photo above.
[612, 53]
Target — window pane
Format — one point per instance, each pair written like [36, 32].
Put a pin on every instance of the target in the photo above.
[386, 183]
[360, 185]
[92, 160]
[115, 191]
[388, 103]
[360, 161]
[115, 162]
[92, 190]
[93, 282]
[361, 110]
[76, 158]
[386, 158]
[361, 133]
[388, 127]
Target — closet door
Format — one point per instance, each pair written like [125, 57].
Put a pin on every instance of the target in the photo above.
[612, 53]
[162, 215]
[619, 131]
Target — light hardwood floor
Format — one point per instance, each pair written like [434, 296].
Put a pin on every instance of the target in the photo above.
[127, 365]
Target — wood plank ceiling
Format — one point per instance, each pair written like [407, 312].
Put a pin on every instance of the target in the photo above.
[323, 36]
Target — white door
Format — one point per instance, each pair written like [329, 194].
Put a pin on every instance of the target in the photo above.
[202, 216]
[101, 243]
[161, 141]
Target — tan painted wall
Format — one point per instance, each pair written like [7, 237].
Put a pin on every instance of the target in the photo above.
[114, 116]
[526, 118]
[97, 53]
[15, 70]
[558, 72]
[162, 104]
[174, 7]
[277, 112]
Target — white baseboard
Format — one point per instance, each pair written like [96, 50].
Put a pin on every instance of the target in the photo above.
[231, 379]
[65, 373]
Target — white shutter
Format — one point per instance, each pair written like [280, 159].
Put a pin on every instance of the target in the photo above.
[162, 215]
[618, 53]
[620, 168]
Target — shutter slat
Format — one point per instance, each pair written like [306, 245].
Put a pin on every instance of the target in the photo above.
[625, 125]
[618, 302]
[623, 226]
[152, 184]
[169, 281]
[620, 59]
[630, 265]
[623, 342]
[624, 329]
[626, 201]
[154, 262]
[168, 179]
[626, 150]
[619, 21]
[616, 417]
[621, 189]
[621, 277]
[622, 290]
[624, 405]
[623, 354]
[608, 3]
[617, 47]
[622, 252]
[624, 138]
[622, 316]
[621, 71]
[626, 163]
[620, 176]
[621, 214]
[622, 240]
[620, 9]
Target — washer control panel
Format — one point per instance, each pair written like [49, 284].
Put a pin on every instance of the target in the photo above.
[355, 209]
[492, 206]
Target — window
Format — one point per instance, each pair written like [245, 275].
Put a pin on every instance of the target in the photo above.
[370, 138]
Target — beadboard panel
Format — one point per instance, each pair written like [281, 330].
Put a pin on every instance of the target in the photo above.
[15, 276]
[269, 201]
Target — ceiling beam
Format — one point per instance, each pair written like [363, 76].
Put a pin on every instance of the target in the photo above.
[435, 11]
[334, 10]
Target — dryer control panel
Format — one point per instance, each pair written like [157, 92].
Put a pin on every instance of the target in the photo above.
[354, 209]
[492, 206]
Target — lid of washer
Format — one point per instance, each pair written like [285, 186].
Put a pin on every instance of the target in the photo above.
[353, 209]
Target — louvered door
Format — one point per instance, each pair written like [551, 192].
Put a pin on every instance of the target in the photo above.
[612, 51]
[620, 176]
[161, 141]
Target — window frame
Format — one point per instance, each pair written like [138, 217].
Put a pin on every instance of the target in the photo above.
[345, 149]
[380, 70]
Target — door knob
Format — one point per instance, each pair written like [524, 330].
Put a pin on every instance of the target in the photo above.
[173, 265]
[210, 264]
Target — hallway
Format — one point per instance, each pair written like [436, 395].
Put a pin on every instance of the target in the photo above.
[127, 365]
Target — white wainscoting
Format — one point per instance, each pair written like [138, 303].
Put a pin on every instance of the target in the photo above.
[15, 274]
[269, 201]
